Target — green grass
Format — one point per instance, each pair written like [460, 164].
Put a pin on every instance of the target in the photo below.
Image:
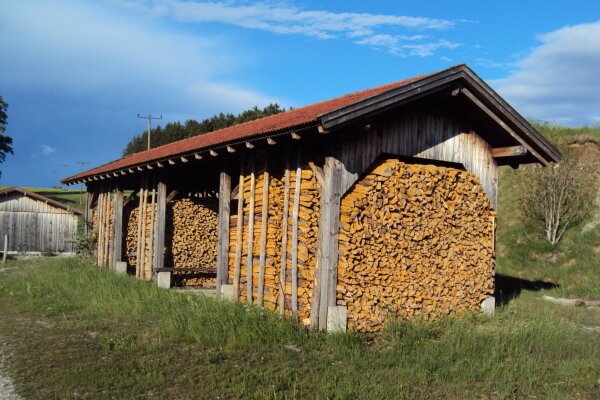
[78, 331]
[75, 331]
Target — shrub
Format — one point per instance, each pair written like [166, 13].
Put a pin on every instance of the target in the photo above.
[557, 197]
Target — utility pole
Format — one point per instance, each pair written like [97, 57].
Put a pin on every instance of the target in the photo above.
[149, 118]
[82, 163]
[66, 166]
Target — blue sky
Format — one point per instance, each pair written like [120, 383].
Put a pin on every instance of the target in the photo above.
[77, 73]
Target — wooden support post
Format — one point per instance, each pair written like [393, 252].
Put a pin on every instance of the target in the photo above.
[117, 227]
[250, 257]
[91, 195]
[107, 232]
[511, 151]
[142, 255]
[5, 253]
[223, 229]
[161, 211]
[284, 235]
[295, 212]
[99, 224]
[324, 289]
[138, 268]
[151, 233]
[263, 236]
[239, 235]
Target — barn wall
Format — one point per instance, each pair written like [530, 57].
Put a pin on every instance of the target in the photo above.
[423, 133]
[32, 225]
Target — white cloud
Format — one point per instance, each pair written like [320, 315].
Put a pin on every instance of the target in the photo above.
[559, 79]
[275, 18]
[80, 48]
[46, 150]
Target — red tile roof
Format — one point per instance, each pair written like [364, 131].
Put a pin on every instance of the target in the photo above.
[280, 122]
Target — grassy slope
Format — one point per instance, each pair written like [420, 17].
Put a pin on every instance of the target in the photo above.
[75, 331]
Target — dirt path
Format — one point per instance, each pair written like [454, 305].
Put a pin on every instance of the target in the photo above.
[7, 389]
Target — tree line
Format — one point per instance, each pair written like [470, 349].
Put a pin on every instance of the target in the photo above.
[174, 131]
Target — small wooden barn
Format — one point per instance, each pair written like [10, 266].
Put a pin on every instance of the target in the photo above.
[35, 223]
[377, 205]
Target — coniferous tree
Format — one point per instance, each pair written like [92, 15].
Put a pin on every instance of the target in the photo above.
[174, 131]
[5, 141]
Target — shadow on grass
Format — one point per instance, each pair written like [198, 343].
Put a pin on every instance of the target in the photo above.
[509, 287]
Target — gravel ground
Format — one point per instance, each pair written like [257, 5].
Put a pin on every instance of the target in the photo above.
[7, 389]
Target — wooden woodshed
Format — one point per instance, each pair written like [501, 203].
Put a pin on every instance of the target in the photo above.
[353, 211]
[35, 223]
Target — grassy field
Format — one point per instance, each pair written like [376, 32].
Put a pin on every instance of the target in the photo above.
[73, 331]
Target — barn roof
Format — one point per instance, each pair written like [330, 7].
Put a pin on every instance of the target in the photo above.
[341, 111]
[39, 197]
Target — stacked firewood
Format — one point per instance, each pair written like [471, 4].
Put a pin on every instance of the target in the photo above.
[416, 241]
[308, 215]
[191, 236]
[191, 233]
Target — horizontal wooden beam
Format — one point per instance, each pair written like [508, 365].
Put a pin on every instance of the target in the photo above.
[140, 169]
[230, 149]
[171, 162]
[149, 166]
[159, 164]
[249, 145]
[183, 159]
[271, 141]
[197, 156]
[322, 129]
[213, 153]
[511, 151]
[295, 136]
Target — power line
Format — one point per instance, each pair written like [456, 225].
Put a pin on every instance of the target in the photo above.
[149, 118]
[82, 163]
[66, 166]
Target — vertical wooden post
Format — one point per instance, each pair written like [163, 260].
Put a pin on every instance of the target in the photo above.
[139, 248]
[295, 212]
[88, 209]
[250, 256]
[161, 211]
[223, 229]
[239, 235]
[284, 234]
[142, 255]
[151, 232]
[324, 289]
[5, 254]
[263, 236]
[117, 227]
[99, 223]
[107, 232]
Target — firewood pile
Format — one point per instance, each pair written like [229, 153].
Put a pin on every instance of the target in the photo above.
[191, 237]
[191, 233]
[416, 241]
[307, 227]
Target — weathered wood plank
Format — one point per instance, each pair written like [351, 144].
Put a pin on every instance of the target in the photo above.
[223, 228]
[117, 227]
[263, 235]
[161, 211]
[284, 235]
[250, 257]
[151, 232]
[239, 234]
[511, 151]
[295, 211]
